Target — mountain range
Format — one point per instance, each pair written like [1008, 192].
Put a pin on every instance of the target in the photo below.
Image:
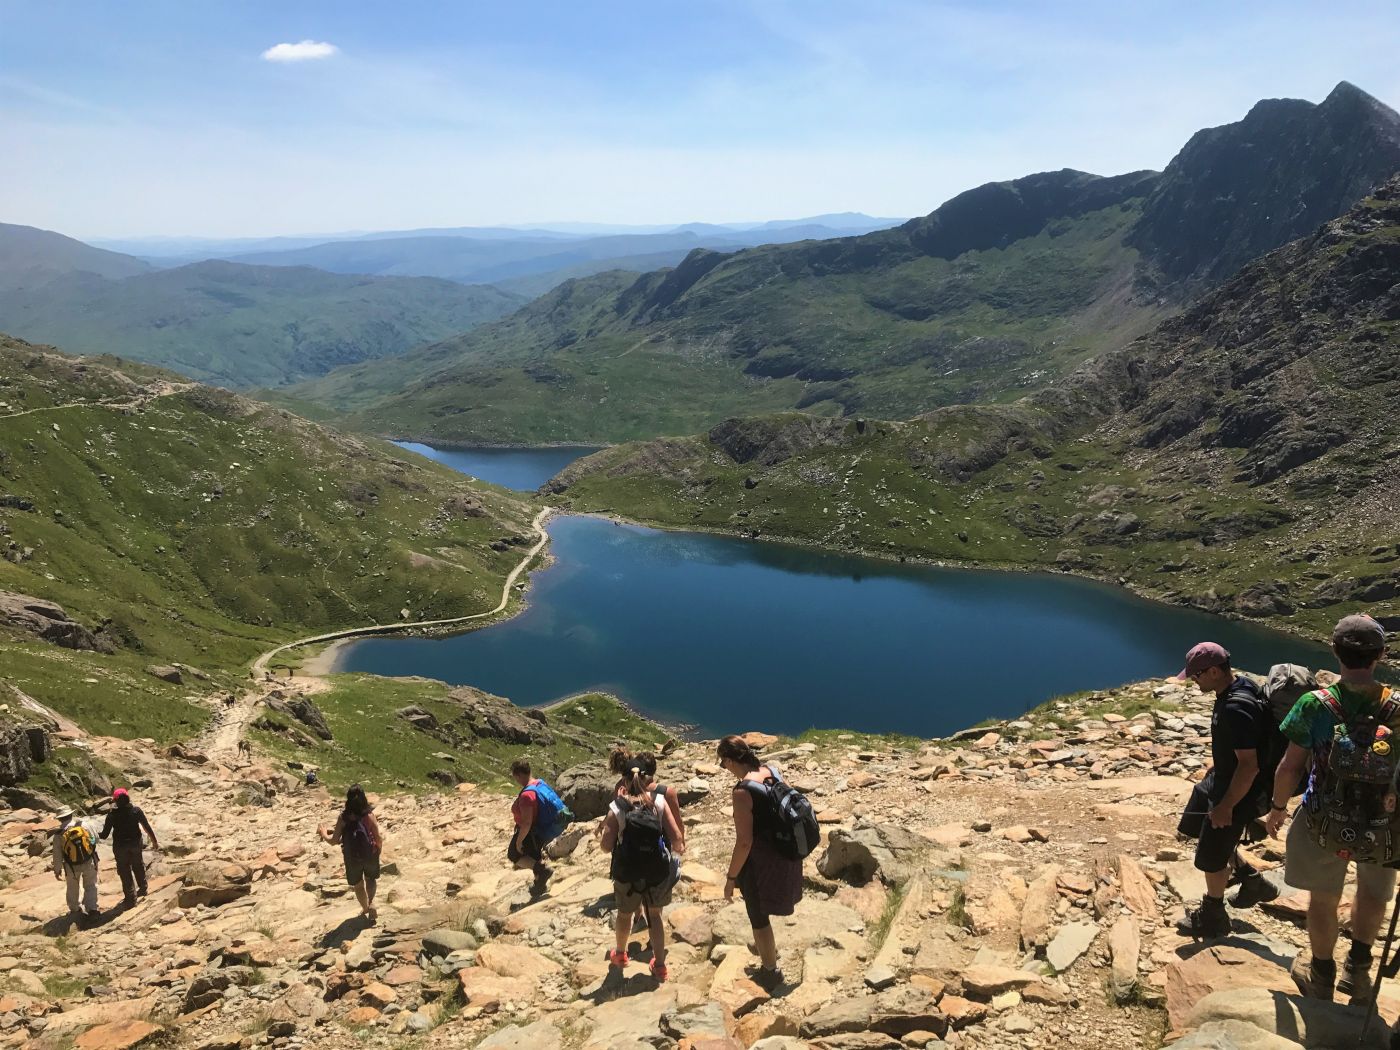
[226, 323]
[528, 261]
[994, 294]
[1240, 458]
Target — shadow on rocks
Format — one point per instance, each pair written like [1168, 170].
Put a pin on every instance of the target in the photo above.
[346, 931]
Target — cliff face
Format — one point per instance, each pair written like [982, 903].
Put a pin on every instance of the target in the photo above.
[1237, 191]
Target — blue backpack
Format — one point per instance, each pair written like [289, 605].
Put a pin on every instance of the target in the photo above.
[551, 816]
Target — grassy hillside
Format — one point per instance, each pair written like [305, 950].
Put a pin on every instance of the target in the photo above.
[202, 528]
[998, 292]
[1240, 458]
[241, 326]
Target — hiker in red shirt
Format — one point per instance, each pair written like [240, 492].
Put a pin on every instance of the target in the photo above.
[534, 824]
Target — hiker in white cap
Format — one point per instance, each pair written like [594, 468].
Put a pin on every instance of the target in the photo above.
[75, 859]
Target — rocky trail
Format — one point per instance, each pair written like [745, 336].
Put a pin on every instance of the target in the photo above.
[1013, 888]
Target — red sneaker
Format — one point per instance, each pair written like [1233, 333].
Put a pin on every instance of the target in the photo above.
[617, 959]
[659, 971]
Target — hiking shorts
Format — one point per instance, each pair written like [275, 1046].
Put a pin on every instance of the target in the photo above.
[1216, 846]
[630, 899]
[357, 869]
[1308, 866]
[531, 849]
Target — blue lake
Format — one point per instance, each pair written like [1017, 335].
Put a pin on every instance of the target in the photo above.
[728, 635]
[523, 469]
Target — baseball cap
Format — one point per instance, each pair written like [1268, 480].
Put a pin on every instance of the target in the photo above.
[119, 793]
[1202, 656]
[1358, 631]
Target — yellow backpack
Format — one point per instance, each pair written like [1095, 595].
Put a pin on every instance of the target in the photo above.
[79, 846]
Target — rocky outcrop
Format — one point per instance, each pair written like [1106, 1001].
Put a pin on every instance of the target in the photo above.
[1237, 191]
[305, 711]
[49, 621]
[212, 884]
[22, 747]
[494, 718]
[768, 441]
[862, 852]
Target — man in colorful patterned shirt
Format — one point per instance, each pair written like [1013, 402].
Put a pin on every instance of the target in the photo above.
[1359, 644]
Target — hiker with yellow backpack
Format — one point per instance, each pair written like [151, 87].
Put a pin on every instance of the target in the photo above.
[75, 859]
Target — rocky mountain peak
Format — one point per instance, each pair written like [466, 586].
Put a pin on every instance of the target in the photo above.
[1239, 190]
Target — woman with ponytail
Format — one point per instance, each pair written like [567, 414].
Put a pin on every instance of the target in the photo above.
[637, 831]
[771, 883]
[621, 762]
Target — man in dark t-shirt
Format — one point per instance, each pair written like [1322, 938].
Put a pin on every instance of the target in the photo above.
[125, 823]
[1232, 793]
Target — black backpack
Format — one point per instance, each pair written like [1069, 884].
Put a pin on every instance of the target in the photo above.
[640, 859]
[791, 823]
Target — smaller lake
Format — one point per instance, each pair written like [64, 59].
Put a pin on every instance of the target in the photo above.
[729, 635]
[522, 469]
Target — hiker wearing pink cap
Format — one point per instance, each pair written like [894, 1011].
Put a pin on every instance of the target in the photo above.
[125, 823]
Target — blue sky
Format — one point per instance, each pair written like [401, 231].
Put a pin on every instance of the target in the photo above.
[139, 118]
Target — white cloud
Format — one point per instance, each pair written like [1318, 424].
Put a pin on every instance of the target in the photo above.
[302, 52]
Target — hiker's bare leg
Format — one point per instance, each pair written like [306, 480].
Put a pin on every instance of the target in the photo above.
[624, 928]
[1216, 881]
[1367, 912]
[370, 886]
[1322, 924]
[657, 931]
[767, 945]
[360, 895]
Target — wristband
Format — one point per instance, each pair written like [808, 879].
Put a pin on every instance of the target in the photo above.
[731, 878]
[1280, 809]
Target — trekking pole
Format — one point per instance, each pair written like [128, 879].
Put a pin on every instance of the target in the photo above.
[1385, 967]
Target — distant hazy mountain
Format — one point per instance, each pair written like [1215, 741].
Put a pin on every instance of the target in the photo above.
[224, 322]
[995, 293]
[30, 256]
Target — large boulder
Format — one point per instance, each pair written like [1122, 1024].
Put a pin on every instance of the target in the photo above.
[587, 789]
[307, 713]
[212, 883]
[49, 621]
[890, 851]
[494, 718]
[21, 747]
[1313, 1023]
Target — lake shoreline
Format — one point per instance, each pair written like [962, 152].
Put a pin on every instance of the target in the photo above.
[1116, 583]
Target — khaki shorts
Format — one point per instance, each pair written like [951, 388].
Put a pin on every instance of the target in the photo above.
[1308, 866]
[629, 899]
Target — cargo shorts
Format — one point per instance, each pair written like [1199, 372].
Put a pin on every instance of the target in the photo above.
[1308, 866]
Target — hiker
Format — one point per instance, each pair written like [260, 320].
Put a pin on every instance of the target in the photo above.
[539, 815]
[1348, 730]
[769, 880]
[75, 860]
[125, 823]
[1232, 794]
[621, 762]
[636, 831]
[357, 833]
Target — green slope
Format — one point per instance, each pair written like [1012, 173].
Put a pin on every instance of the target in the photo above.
[203, 528]
[1241, 458]
[244, 326]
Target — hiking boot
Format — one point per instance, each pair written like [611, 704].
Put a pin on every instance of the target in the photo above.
[1206, 920]
[1313, 981]
[617, 959]
[768, 979]
[129, 902]
[1356, 981]
[659, 971]
[1254, 889]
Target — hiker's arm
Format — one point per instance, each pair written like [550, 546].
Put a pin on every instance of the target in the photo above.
[743, 839]
[1222, 814]
[673, 803]
[149, 831]
[1290, 771]
[106, 827]
[609, 839]
[524, 821]
[674, 835]
[58, 855]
